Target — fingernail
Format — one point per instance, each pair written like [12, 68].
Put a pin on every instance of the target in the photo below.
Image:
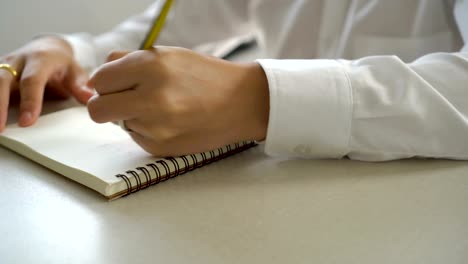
[93, 97]
[88, 90]
[25, 118]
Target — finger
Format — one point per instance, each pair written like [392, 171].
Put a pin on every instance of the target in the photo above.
[114, 107]
[116, 54]
[149, 145]
[7, 82]
[170, 148]
[55, 86]
[32, 84]
[118, 75]
[142, 127]
[76, 80]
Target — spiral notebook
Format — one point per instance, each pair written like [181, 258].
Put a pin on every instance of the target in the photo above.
[102, 157]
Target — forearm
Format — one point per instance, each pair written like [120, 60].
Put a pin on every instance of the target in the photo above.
[406, 110]
[376, 108]
[91, 51]
[187, 25]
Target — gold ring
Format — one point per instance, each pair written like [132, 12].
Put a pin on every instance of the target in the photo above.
[9, 69]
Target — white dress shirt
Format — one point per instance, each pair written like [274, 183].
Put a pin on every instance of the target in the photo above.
[372, 80]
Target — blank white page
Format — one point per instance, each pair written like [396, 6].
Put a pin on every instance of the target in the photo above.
[70, 143]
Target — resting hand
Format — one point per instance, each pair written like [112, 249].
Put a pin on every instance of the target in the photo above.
[43, 62]
[177, 102]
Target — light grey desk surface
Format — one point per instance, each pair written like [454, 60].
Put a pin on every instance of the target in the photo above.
[248, 208]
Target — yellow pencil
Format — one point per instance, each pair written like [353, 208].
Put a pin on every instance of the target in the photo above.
[156, 27]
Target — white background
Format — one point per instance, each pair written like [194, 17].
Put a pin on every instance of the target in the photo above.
[22, 19]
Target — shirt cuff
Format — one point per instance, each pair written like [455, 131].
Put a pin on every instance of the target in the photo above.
[310, 108]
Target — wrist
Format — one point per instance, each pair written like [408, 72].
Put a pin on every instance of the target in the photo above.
[56, 41]
[256, 95]
[62, 43]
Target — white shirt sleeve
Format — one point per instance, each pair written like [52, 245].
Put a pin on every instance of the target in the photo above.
[374, 109]
[185, 27]
[91, 51]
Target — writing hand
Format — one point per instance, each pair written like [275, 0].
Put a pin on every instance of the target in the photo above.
[177, 102]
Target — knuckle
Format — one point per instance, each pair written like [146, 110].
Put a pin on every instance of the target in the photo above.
[40, 53]
[166, 54]
[114, 55]
[30, 81]
[151, 149]
[164, 101]
[99, 77]
[99, 71]
[157, 152]
[169, 102]
[165, 51]
[110, 56]
[29, 102]
[139, 55]
[164, 135]
[167, 58]
[147, 145]
[175, 109]
[9, 58]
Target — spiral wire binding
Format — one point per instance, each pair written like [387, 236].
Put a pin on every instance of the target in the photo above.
[165, 163]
